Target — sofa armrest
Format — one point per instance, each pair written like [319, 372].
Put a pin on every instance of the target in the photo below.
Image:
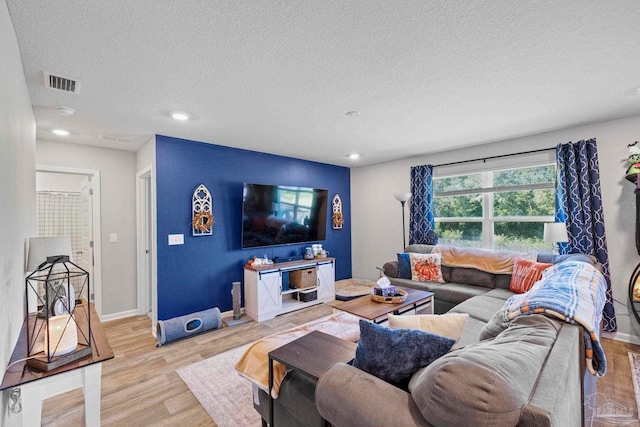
[390, 269]
[349, 397]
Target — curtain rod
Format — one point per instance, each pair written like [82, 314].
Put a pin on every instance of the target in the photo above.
[484, 159]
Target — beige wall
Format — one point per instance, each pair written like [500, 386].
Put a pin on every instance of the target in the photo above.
[377, 226]
[118, 214]
[17, 193]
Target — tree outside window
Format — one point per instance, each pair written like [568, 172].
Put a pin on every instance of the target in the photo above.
[500, 209]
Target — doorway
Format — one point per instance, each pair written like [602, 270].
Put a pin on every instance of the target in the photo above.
[68, 204]
[146, 248]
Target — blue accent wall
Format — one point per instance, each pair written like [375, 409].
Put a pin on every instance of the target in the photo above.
[198, 275]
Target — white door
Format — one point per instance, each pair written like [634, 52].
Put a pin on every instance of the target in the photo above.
[148, 259]
[269, 288]
[326, 281]
[84, 258]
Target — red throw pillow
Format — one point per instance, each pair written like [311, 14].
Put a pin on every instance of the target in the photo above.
[525, 274]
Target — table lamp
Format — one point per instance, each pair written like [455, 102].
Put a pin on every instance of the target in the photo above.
[39, 249]
[555, 232]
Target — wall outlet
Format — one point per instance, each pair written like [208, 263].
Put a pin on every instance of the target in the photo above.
[176, 239]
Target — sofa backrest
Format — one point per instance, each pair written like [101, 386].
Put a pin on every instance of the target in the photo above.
[476, 277]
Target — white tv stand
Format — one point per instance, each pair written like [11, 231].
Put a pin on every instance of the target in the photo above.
[265, 298]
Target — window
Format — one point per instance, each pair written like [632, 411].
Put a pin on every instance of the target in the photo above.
[500, 209]
[294, 204]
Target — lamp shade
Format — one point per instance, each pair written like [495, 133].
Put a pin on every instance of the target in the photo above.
[62, 336]
[402, 197]
[42, 247]
[555, 232]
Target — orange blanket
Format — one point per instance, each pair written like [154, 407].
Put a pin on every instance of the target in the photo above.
[496, 262]
[254, 364]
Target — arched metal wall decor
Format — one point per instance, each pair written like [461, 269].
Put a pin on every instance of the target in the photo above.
[337, 219]
[201, 209]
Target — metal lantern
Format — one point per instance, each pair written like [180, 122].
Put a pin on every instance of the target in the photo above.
[58, 325]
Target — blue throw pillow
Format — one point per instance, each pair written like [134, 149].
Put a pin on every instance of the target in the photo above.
[404, 266]
[394, 355]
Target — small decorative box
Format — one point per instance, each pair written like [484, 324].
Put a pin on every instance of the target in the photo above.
[384, 291]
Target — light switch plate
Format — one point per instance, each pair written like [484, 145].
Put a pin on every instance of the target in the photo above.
[176, 239]
[113, 238]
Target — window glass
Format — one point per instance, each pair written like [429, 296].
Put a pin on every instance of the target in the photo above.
[520, 237]
[525, 176]
[464, 234]
[457, 183]
[524, 203]
[499, 209]
[464, 206]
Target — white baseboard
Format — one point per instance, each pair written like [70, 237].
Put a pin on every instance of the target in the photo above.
[621, 336]
[121, 315]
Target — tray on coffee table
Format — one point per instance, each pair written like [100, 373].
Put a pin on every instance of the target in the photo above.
[377, 312]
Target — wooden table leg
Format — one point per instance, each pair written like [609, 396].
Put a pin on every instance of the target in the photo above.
[270, 390]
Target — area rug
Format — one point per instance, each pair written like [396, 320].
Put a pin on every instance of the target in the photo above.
[222, 392]
[634, 360]
[352, 288]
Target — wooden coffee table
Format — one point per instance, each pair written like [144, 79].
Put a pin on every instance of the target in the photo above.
[378, 312]
[311, 355]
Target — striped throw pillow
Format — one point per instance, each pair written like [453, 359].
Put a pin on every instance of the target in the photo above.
[525, 274]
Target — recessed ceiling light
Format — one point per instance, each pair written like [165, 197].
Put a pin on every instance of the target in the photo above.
[354, 156]
[65, 111]
[180, 116]
[61, 132]
[353, 113]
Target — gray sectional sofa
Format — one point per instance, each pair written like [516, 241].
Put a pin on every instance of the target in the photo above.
[531, 374]
[464, 283]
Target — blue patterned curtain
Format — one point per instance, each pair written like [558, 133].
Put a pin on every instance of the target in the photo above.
[421, 223]
[579, 205]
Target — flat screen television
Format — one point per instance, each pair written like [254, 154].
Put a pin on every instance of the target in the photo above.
[282, 215]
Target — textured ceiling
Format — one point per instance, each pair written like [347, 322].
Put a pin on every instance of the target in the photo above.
[279, 76]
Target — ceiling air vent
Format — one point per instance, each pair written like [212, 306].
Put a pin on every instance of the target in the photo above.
[114, 138]
[61, 83]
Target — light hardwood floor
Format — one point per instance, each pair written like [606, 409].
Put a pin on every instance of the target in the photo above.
[141, 388]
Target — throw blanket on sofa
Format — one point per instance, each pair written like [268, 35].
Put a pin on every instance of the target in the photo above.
[496, 262]
[572, 291]
[254, 364]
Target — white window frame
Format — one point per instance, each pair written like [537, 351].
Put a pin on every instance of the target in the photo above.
[488, 219]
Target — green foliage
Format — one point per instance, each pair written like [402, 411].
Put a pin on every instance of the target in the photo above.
[517, 203]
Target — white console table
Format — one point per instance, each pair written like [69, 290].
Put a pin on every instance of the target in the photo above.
[36, 385]
[265, 296]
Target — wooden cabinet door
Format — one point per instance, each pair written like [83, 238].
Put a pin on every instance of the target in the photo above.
[326, 281]
[269, 289]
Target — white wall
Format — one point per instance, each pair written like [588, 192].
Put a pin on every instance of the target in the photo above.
[17, 192]
[118, 182]
[61, 182]
[377, 226]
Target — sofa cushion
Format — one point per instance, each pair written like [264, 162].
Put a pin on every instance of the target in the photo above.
[425, 267]
[487, 383]
[503, 294]
[525, 274]
[394, 355]
[408, 283]
[503, 281]
[471, 276]
[481, 308]
[404, 266]
[448, 325]
[471, 332]
[457, 292]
